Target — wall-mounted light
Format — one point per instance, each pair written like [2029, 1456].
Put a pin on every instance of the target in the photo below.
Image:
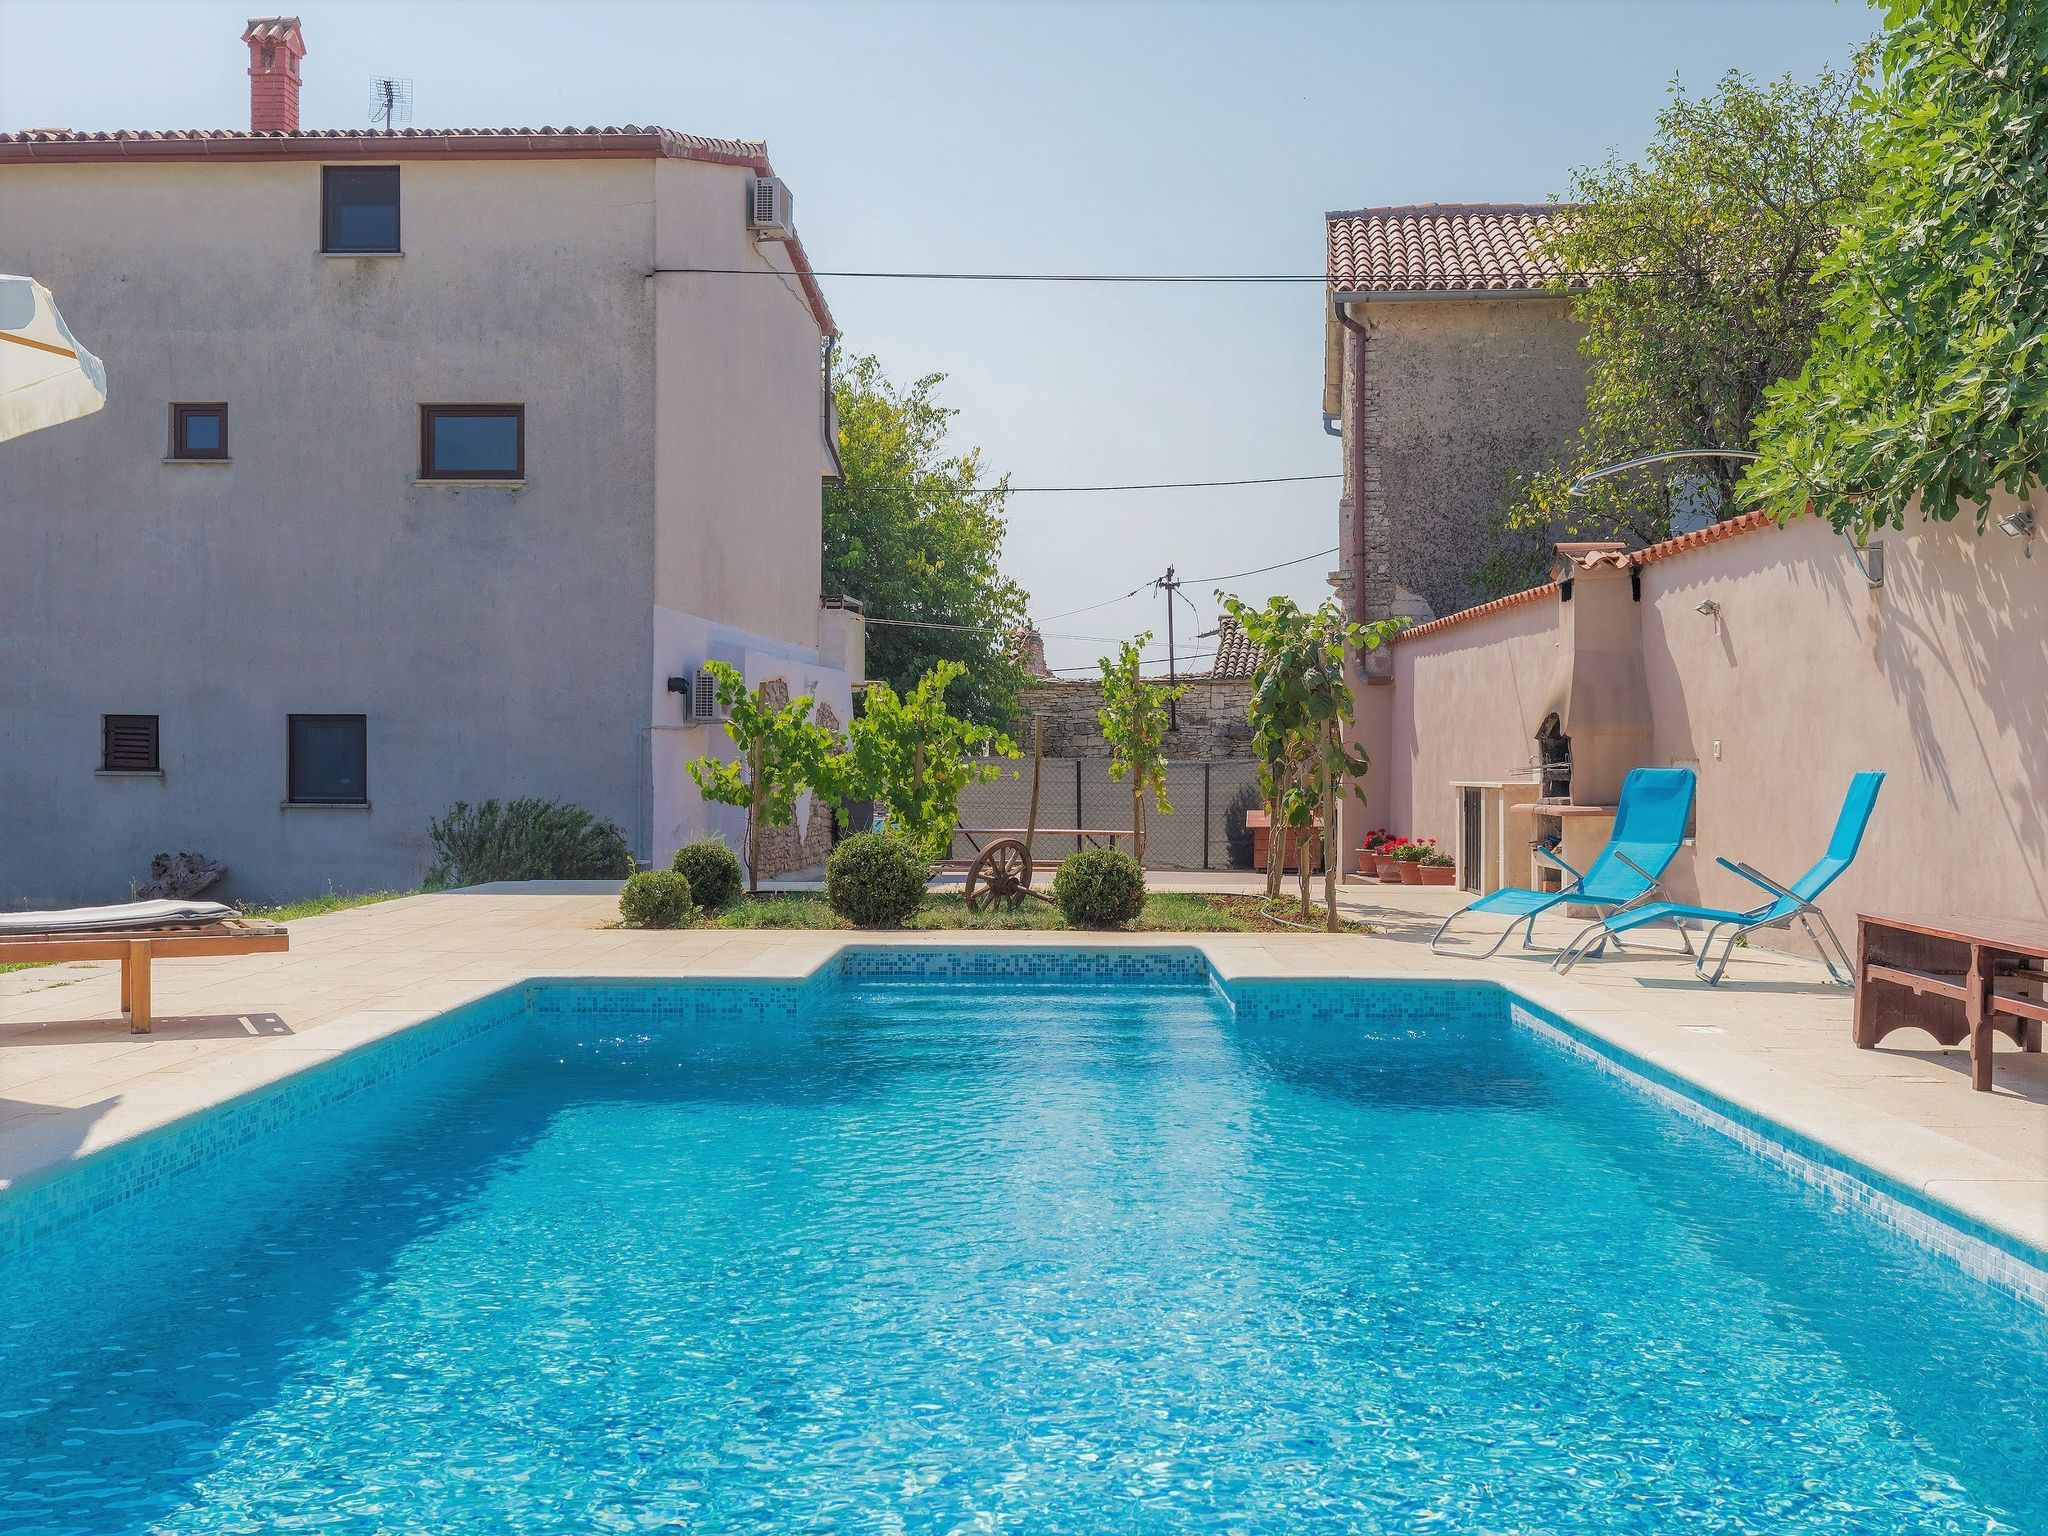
[1711, 609]
[2021, 525]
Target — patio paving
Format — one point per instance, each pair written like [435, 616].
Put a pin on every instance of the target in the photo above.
[1774, 1037]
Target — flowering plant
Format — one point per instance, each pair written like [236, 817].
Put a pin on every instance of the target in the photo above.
[1413, 852]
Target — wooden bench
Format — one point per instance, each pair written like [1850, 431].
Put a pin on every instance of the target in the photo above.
[1956, 978]
[135, 948]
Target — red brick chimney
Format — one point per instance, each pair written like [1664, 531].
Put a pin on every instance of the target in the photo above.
[275, 47]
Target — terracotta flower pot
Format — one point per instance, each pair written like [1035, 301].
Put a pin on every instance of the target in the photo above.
[1411, 872]
[1439, 874]
[1388, 869]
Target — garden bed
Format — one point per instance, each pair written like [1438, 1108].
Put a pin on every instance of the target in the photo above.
[1165, 912]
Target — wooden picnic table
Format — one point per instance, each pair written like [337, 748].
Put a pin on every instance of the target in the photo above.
[1958, 978]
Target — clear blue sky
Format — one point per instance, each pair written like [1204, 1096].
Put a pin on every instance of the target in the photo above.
[1112, 137]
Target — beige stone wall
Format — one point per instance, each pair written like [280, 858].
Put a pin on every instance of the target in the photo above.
[1442, 402]
[804, 847]
[1939, 678]
[1213, 724]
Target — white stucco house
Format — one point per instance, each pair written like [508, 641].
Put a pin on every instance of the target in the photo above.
[429, 459]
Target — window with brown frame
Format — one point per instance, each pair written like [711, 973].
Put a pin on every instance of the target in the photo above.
[199, 431]
[128, 744]
[359, 209]
[472, 442]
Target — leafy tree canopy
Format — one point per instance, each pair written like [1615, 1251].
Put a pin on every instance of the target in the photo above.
[909, 752]
[1929, 376]
[1134, 720]
[783, 753]
[916, 535]
[1697, 262]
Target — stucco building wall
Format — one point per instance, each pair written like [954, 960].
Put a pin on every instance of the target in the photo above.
[1939, 678]
[1458, 706]
[500, 641]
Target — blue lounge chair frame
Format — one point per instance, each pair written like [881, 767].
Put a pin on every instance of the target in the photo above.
[1649, 826]
[1793, 903]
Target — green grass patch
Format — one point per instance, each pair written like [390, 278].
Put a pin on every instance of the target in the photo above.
[1165, 912]
[320, 906]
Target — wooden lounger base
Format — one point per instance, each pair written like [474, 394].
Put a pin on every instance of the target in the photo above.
[136, 949]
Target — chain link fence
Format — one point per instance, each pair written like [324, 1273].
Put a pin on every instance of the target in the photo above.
[1204, 830]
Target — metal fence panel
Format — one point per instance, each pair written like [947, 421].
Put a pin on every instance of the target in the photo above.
[1204, 830]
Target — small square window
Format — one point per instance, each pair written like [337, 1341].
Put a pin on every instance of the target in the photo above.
[199, 431]
[359, 208]
[128, 744]
[328, 760]
[472, 442]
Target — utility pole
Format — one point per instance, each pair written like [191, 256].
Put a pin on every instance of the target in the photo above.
[1171, 588]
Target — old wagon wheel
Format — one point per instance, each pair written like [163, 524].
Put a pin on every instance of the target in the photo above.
[1000, 876]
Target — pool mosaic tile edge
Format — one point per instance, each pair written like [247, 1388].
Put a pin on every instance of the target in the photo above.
[1992, 1257]
[62, 1194]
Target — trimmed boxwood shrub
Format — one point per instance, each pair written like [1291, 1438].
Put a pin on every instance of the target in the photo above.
[525, 839]
[875, 880]
[1099, 888]
[656, 898]
[713, 871]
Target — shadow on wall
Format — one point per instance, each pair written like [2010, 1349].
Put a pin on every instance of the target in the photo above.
[1940, 676]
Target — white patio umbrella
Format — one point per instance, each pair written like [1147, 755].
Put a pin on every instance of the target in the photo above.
[45, 375]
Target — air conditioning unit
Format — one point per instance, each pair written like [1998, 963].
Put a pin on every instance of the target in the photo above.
[698, 693]
[704, 703]
[769, 214]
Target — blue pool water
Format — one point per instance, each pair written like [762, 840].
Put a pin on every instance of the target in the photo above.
[930, 1256]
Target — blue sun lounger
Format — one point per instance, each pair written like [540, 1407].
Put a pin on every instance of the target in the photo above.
[1788, 903]
[1649, 825]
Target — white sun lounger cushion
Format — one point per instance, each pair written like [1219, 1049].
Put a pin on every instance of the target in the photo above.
[133, 914]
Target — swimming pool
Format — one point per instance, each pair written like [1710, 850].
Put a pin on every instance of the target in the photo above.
[992, 1240]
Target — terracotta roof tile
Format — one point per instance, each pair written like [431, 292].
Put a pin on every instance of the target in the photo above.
[686, 146]
[1650, 554]
[1441, 248]
[1235, 656]
[1512, 600]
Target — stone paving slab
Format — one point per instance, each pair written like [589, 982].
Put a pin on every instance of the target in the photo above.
[1773, 1038]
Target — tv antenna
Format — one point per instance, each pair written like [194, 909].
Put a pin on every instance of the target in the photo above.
[390, 101]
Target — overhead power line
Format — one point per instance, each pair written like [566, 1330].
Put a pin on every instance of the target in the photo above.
[1146, 485]
[1261, 570]
[1145, 586]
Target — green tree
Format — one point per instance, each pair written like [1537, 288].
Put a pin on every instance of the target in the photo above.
[1692, 269]
[1134, 720]
[917, 536]
[1301, 709]
[783, 752]
[915, 757]
[1929, 377]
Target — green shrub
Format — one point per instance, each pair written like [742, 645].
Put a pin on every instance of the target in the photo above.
[1099, 888]
[525, 839]
[713, 871]
[656, 898]
[875, 880]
